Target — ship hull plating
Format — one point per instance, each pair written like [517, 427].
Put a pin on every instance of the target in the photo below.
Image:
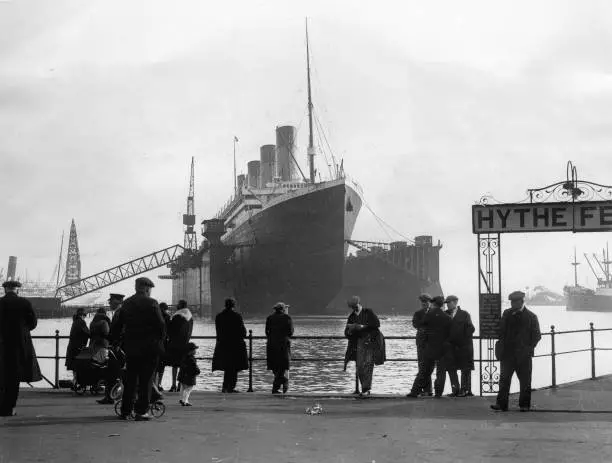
[292, 251]
[589, 303]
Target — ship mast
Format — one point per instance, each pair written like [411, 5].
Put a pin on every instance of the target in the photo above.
[311, 149]
[575, 264]
[59, 263]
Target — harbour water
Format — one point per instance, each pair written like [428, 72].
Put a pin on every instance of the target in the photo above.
[392, 377]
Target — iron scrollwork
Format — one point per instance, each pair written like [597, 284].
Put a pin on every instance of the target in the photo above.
[570, 190]
[490, 371]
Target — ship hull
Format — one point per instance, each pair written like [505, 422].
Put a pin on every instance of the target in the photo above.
[589, 303]
[292, 251]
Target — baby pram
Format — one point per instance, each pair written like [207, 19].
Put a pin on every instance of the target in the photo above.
[93, 369]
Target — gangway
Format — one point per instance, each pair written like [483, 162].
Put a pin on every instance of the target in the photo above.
[119, 273]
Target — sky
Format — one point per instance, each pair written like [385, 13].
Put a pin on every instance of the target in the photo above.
[431, 105]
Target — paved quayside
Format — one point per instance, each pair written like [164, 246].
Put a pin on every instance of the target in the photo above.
[572, 423]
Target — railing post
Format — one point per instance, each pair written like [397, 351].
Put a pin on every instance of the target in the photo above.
[592, 351]
[250, 361]
[480, 364]
[553, 356]
[57, 359]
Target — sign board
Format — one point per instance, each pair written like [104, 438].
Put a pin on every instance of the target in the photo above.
[587, 216]
[490, 315]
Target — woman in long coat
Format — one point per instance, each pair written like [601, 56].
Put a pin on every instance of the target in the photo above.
[366, 343]
[79, 334]
[230, 354]
[180, 329]
[99, 329]
[279, 329]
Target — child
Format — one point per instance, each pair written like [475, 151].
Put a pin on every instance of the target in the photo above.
[187, 374]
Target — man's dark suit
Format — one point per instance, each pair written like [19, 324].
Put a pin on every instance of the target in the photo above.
[518, 336]
[141, 324]
[437, 326]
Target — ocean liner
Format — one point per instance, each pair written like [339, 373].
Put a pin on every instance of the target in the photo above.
[580, 298]
[283, 235]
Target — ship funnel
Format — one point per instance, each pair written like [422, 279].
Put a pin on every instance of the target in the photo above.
[266, 166]
[253, 178]
[12, 268]
[285, 152]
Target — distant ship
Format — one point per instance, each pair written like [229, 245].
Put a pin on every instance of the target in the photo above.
[580, 298]
[42, 294]
[541, 296]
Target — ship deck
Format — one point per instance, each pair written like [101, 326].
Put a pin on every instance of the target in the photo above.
[571, 423]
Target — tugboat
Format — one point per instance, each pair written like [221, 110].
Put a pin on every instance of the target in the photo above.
[580, 298]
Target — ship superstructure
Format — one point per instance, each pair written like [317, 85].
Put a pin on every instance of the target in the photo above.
[580, 298]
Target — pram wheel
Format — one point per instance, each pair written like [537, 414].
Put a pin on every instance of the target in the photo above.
[117, 391]
[118, 408]
[158, 409]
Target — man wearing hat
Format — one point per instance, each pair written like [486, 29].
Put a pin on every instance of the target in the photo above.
[141, 322]
[437, 327]
[18, 361]
[519, 334]
[421, 337]
[461, 348]
[279, 329]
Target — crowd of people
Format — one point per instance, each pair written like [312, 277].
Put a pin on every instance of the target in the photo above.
[151, 339]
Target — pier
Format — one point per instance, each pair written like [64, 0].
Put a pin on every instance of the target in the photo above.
[569, 423]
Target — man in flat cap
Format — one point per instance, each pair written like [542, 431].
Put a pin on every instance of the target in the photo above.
[142, 324]
[437, 326]
[18, 361]
[279, 330]
[421, 338]
[519, 334]
[461, 348]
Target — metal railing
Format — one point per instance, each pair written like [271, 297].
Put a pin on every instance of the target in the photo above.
[553, 353]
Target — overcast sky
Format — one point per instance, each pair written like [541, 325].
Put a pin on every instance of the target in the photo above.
[430, 104]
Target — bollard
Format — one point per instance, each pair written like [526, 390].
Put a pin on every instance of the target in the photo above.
[57, 359]
[553, 356]
[592, 351]
[250, 361]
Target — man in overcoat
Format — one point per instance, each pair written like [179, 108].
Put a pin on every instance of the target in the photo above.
[461, 348]
[437, 327]
[519, 334]
[421, 338]
[141, 322]
[18, 361]
[230, 354]
[279, 329]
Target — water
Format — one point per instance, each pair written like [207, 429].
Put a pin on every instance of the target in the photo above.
[392, 377]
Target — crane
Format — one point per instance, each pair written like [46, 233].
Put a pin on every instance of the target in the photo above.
[191, 241]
